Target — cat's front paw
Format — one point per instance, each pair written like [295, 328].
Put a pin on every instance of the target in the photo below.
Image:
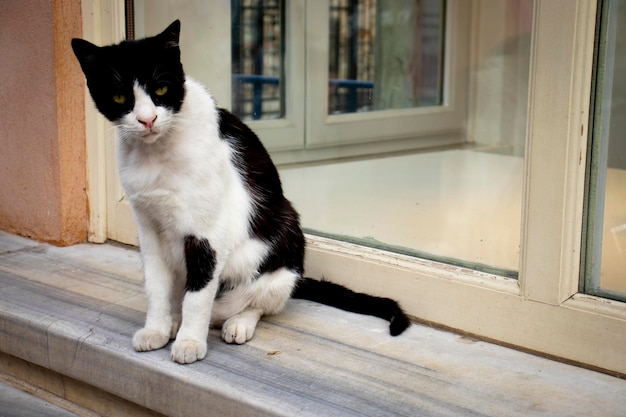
[188, 351]
[146, 339]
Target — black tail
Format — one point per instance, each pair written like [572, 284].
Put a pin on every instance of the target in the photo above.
[335, 295]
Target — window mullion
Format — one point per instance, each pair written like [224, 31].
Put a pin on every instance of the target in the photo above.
[560, 87]
[287, 134]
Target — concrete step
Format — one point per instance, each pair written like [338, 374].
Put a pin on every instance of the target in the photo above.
[69, 315]
[17, 403]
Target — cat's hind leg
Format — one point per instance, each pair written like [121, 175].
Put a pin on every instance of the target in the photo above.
[268, 294]
[240, 328]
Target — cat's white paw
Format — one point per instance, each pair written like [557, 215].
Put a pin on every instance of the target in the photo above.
[146, 339]
[188, 351]
[238, 329]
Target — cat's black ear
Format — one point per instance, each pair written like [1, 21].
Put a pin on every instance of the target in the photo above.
[85, 51]
[171, 34]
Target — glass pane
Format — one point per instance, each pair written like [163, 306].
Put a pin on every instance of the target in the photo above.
[257, 59]
[458, 205]
[203, 24]
[384, 54]
[605, 267]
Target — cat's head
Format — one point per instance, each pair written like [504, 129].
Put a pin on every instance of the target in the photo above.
[138, 85]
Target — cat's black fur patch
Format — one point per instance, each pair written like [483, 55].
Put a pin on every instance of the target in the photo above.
[152, 63]
[200, 261]
[274, 220]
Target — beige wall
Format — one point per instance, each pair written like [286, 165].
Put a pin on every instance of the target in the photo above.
[42, 144]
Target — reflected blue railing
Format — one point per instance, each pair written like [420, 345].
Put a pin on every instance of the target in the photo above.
[258, 81]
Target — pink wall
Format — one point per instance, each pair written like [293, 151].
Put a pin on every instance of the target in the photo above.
[42, 146]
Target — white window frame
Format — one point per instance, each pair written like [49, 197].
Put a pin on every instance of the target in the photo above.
[542, 311]
[348, 135]
[307, 133]
[287, 133]
[441, 122]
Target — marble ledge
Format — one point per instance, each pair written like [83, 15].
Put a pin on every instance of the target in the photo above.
[73, 311]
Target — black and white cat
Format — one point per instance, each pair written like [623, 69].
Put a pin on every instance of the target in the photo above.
[220, 244]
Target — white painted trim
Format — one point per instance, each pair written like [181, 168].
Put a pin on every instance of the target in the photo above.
[103, 23]
[96, 169]
[558, 116]
[584, 329]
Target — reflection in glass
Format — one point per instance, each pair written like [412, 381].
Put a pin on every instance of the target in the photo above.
[257, 63]
[460, 206]
[605, 269]
[384, 54]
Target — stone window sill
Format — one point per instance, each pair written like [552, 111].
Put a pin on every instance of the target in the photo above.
[72, 312]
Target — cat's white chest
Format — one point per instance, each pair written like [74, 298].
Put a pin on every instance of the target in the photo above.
[149, 178]
[168, 188]
[187, 187]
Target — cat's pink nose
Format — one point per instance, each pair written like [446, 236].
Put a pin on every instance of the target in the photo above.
[147, 121]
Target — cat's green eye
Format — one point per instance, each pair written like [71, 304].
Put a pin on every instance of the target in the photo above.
[161, 91]
[119, 98]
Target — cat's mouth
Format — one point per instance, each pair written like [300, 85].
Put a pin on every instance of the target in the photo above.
[150, 136]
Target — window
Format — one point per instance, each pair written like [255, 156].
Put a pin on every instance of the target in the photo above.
[605, 269]
[374, 44]
[354, 39]
[257, 43]
[458, 205]
[544, 74]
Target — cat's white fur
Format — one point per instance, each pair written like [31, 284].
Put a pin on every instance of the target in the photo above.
[178, 176]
